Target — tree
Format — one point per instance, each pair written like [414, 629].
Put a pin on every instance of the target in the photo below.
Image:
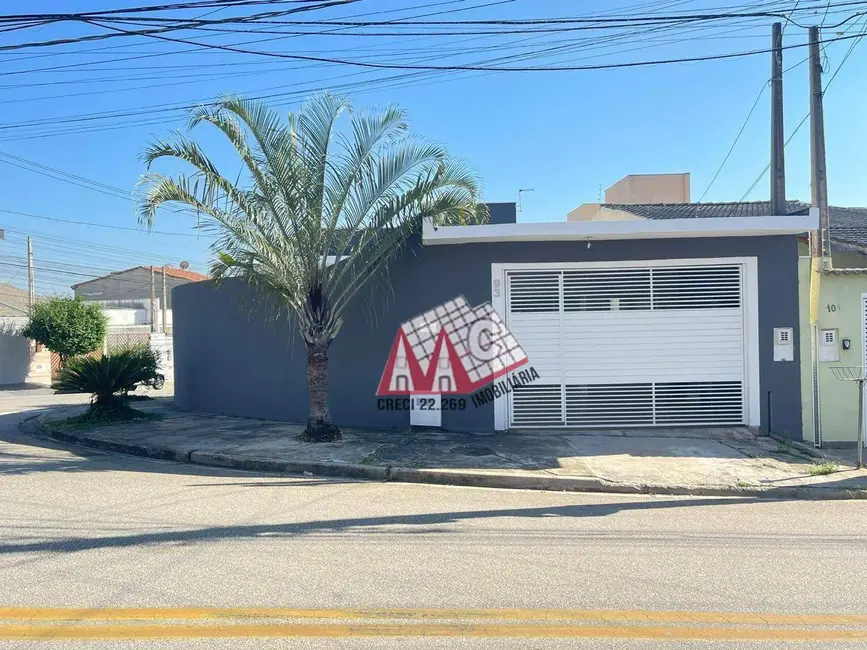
[67, 326]
[318, 213]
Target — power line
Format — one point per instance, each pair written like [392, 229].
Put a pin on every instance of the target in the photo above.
[100, 225]
[742, 129]
[746, 121]
[115, 114]
[175, 6]
[734, 143]
[200, 48]
[199, 4]
[82, 248]
[400, 66]
[80, 181]
[358, 87]
[189, 24]
[807, 116]
[56, 271]
[96, 19]
[523, 21]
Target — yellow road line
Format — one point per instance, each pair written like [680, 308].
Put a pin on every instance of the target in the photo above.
[107, 632]
[536, 615]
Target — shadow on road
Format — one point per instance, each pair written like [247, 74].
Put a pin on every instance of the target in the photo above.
[269, 531]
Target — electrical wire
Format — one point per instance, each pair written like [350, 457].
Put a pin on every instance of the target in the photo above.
[91, 19]
[99, 225]
[178, 108]
[88, 249]
[734, 143]
[114, 114]
[400, 66]
[807, 116]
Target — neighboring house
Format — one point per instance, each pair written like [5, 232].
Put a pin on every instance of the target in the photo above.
[842, 320]
[639, 188]
[635, 324]
[126, 298]
[134, 285]
[14, 302]
[20, 362]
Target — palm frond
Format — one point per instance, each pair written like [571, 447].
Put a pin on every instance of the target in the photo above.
[321, 211]
[107, 376]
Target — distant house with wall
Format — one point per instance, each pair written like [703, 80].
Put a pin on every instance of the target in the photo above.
[21, 361]
[134, 285]
[635, 189]
[125, 296]
[842, 320]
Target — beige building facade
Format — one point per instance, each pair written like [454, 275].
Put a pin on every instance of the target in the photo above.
[635, 189]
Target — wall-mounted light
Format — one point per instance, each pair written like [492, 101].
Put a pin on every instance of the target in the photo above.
[847, 344]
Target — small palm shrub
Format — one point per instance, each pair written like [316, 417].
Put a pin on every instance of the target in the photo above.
[110, 377]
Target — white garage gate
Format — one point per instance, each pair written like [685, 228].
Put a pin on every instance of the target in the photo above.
[662, 343]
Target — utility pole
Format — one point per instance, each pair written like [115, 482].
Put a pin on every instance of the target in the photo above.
[819, 173]
[165, 302]
[31, 287]
[819, 247]
[778, 140]
[153, 302]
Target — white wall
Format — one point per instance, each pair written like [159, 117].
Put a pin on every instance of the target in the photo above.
[15, 351]
[127, 317]
[164, 345]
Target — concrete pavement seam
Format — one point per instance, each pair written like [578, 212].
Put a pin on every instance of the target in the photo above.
[467, 478]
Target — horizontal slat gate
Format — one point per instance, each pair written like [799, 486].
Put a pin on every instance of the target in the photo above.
[655, 346]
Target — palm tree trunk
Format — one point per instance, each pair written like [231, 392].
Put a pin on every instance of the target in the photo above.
[320, 428]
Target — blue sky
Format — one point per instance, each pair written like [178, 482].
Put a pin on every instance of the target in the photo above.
[564, 134]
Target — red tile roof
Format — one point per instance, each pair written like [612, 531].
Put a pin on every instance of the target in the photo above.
[171, 271]
[175, 272]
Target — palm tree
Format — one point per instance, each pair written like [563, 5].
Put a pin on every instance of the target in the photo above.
[318, 212]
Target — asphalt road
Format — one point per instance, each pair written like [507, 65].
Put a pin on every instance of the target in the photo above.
[103, 533]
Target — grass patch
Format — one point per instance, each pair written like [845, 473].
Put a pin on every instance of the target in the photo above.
[101, 417]
[785, 446]
[822, 468]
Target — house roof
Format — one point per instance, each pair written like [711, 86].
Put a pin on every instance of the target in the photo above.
[704, 210]
[13, 301]
[181, 274]
[171, 271]
[848, 225]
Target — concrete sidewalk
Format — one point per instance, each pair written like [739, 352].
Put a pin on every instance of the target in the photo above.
[724, 461]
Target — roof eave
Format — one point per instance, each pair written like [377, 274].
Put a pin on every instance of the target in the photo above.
[614, 230]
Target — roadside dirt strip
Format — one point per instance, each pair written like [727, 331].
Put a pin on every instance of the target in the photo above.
[52, 624]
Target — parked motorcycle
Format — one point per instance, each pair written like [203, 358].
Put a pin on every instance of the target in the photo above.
[157, 382]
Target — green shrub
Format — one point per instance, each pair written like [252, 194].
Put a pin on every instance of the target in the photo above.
[67, 326]
[822, 468]
[109, 377]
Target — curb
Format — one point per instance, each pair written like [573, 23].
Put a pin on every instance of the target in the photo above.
[465, 478]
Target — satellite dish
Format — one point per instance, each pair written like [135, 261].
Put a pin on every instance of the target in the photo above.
[185, 265]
